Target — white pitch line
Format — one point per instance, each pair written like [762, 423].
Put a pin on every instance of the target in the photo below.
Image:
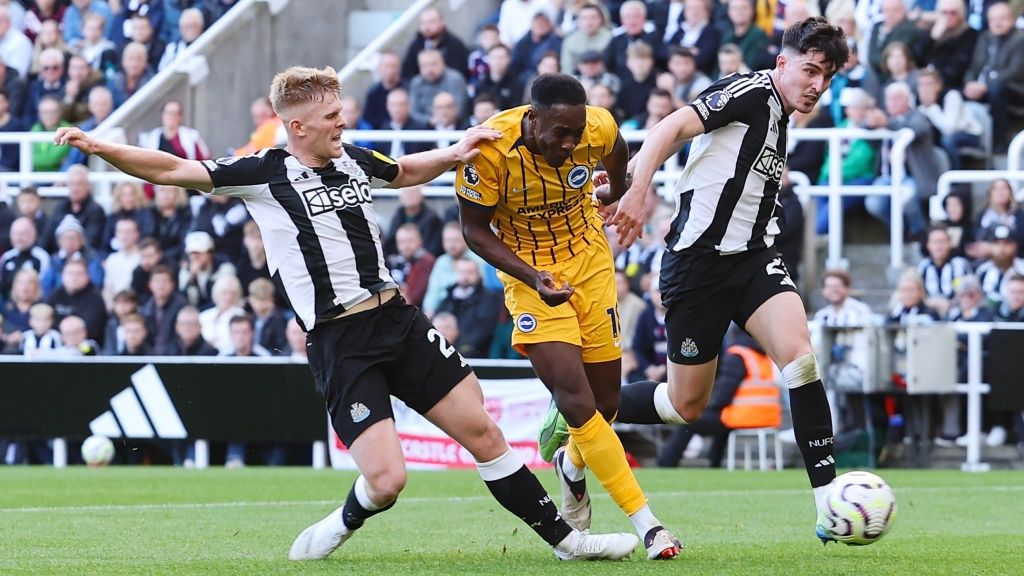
[429, 499]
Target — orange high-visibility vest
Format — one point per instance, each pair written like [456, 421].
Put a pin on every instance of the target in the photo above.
[756, 404]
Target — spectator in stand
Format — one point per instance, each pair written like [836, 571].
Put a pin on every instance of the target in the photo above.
[1000, 209]
[199, 272]
[743, 32]
[476, 309]
[548, 65]
[659, 105]
[1003, 263]
[268, 320]
[841, 310]
[413, 209]
[172, 220]
[592, 71]
[400, 119]
[790, 240]
[448, 325]
[958, 222]
[49, 38]
[125, 303]
[352, 112]
[434, 78]
[388, 78]
[639, 80]
[41, 339]
[71, 243]
[135, 336]
[47, 156]
[949, 45]
[969, 307]
[101, 104]
[162, 310]
[433, 34]
[15, 47]
[173, 137]
[957, 125]
[484, 106]
[996, 72]
[688, 80]
[214, 9]
[188, 340]
[10, 159]
[268, 128]
[410, 266]
[592, 34]
[924, 161]
[227, 303]
[542, 39]
[129, 202]
[856, 74]
[633, 14]
[515, 16]
[808, 156]
[1011, 309]
[97, 49]
[699, 35]
[80, 205]
[75, 15]
[442, 274]
[23, 254]
[501, 83]
[120, 264]
[486, 38]
[74, 334]
[650, 344]
[898, 66]
[445, 117]
[894, 27]
[78, 297]
[253, 264]
[730, 60]
[29, 206]
[296, 341]
[630, 307]
[941, 270]
[134, 73]
[150, 257]
[243, 344]
[910, 298]
[602, 96]
[143, 32]
[17, 309]
[859, 157]
[15, 87]
[39, 12]
[190, 26]
[80, 82]
[222, 217]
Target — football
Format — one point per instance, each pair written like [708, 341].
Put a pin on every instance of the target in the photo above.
[860, 507]
[97, 450]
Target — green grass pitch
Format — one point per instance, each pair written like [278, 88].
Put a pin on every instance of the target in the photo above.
[172, 521]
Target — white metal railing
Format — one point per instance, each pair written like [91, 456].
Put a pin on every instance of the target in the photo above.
[935, 206]
[1015, 153]
[367, 57]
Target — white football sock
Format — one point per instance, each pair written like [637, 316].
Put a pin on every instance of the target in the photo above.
[570, 470]
[643, 520]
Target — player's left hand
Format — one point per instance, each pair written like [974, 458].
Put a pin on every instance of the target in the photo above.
[629, 217]
[466, 150]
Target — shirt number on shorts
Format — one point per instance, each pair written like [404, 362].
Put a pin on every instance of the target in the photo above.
[775, 267]
[446, 349]
[613, 314]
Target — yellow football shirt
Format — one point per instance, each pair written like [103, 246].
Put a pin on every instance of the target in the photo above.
[542, 213]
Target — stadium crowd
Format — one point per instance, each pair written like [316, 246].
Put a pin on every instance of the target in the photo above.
[168, 271]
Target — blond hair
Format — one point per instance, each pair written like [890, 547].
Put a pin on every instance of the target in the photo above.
[301, 85]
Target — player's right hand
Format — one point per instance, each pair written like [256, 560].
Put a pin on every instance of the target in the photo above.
[549, 291]
[72, 136]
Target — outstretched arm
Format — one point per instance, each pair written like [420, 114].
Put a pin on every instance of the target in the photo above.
[423, 167]
[618, 180]
[150, 165]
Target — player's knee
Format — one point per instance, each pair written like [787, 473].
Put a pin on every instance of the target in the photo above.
[608, 404]
[484, 439]
[386, 484]
[692, 410]
[577, 409]
[803, 369]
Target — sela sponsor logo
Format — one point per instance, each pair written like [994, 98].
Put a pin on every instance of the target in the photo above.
[359, 412]
[142, 410]
[770, 164]
[526, 323]
[716, 101]
[821, 443]
[702, 108]
[328, 199]
[689, 348]
[468, 193]
[578, 177]
[470, 175]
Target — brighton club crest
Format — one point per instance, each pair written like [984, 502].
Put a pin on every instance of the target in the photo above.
[689, 348]
[359, 412]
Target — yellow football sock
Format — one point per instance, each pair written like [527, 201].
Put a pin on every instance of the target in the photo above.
[573, 451]
[603, 454]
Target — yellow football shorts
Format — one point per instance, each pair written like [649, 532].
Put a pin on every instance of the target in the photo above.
[590, 319]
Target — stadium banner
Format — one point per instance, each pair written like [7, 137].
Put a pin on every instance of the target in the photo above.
[518, 405]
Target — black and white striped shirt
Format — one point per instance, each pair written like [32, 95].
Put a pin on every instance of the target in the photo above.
[942, 280]
[319, 226]
[994, 281]
[728, 194]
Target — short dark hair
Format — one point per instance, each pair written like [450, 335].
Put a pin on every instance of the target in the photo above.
[242, 319]
[554, 89]
[937, 228]
[817, 35]
[660, 93]
[162, 269]
[677, 50]
[841, 275]
[150, 242]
